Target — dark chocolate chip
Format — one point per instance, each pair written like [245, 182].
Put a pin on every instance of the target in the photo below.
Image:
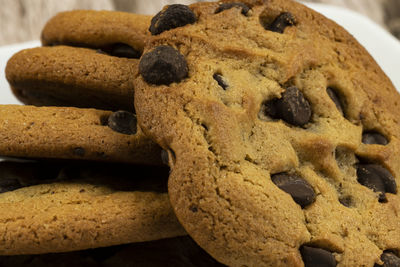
[300, 190]
[163, 65]
[335, 98]
[220, 80]
[9, 184]
[281, 22]
[124, 50]
[389, 260]
[292, 107]
[225, 6]
[173, 16]
[123, 122]
[376, 178]
[371, 138]
[79, 151]
[317, 257]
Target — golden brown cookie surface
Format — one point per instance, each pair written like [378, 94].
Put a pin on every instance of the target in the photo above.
[74, 133]
[96, 29]
[282, 132]
[72, 76]
[58, 206]
[89, 60]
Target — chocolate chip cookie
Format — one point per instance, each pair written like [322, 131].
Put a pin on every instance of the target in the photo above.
[74, 133]
[62, 206]
[97, 29]
[71, 74]
[282, 134]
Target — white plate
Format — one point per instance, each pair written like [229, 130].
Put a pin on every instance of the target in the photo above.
[382, 46]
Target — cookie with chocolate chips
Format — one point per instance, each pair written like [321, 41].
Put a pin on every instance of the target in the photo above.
[92, 66]
[49, 207]
[74, 133]
[282, 134]
[72, 76]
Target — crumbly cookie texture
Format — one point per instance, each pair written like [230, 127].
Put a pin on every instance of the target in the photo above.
[177, 252]
[96, 29]
[74, 133]
[282, 134]
[72, 76]
[59, 207]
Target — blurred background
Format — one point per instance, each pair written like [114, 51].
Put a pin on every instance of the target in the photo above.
[22, 20]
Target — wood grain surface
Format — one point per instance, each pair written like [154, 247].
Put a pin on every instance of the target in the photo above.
[22, 20]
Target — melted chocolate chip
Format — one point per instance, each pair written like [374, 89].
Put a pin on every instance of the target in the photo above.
[220, 80]
[123, 122]
[389, 260]
[371, 138]
[281, 22]
[226, 6]
[335, 98]
[300, 190]
[292, 107]
[376, 178]
[163, 65]
[317, 257]
[173, 16]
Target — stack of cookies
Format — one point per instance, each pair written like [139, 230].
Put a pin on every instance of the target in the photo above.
[78, 172]
[281, 133]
